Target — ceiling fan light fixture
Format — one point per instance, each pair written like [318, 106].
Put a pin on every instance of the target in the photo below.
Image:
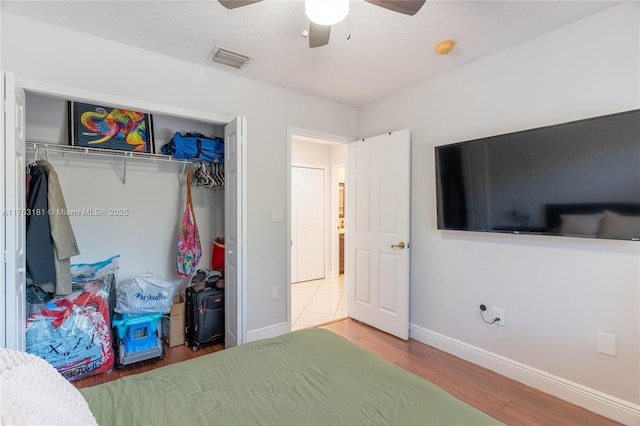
[326, 12]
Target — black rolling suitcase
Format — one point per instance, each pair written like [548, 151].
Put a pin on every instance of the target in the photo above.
[205, 316]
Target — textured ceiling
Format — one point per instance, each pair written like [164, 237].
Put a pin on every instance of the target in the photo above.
[386, 52]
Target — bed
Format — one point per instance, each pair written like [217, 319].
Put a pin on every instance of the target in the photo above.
[305, 377]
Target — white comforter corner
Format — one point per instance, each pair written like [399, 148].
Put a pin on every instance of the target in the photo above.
[32, 392]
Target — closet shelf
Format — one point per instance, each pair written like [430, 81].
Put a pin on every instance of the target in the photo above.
[53, 147]
[47, 147]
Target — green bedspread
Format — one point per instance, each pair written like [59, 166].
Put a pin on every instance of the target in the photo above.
[307, 377]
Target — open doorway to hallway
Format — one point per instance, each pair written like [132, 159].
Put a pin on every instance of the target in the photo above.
[317, 231]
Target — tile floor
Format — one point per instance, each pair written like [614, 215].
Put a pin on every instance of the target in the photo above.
[316, 302]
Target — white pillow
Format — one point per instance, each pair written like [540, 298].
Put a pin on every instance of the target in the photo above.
[33, 393]
[586, 225]
[615, 225]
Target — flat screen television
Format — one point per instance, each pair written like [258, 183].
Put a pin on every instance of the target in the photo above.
[579, 179]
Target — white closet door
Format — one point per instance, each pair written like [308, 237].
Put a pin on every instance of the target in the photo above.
[14, 277]
[3, 188]
[234, 201]
[308, 228]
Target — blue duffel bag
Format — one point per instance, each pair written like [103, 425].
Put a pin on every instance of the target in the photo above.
[195, 146]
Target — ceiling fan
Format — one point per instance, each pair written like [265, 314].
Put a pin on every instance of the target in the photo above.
[324, 13]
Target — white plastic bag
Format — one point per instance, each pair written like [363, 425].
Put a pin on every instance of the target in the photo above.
[144, 294]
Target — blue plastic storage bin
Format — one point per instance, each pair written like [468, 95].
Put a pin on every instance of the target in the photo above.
[138, 337]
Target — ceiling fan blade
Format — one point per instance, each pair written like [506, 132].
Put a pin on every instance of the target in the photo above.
[318, 34]
[232, 4]
[408, 7]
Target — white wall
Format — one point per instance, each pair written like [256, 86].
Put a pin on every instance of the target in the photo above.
[310, 154]
[57, 55]
[557, 293]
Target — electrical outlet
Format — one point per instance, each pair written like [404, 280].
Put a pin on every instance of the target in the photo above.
[274, 293]
[499, 313]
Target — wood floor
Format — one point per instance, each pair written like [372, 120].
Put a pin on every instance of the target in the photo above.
[172, 355]
[504, 399]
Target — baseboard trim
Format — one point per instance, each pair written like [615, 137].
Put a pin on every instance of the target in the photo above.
[591, 399]
[267, 332]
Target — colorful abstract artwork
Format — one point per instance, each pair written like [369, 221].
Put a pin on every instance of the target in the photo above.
[96, 126]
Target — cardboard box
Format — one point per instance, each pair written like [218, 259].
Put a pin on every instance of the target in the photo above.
[176, 322]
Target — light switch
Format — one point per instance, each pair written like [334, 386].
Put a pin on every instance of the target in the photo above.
[277, 215]
[607, 343]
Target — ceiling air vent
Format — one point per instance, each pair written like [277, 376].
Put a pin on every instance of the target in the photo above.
[228, 57]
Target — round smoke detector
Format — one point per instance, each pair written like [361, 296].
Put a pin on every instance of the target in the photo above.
[445, 46]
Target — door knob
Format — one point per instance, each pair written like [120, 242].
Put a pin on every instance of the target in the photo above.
[400, 245]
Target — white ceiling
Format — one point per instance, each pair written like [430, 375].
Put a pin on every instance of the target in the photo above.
[386, 52]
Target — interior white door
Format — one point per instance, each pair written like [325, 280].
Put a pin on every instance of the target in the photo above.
[308, 225]
[234, 202]
[14, 214]
[378, 202]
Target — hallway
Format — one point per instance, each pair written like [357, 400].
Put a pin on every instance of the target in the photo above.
[316, 302]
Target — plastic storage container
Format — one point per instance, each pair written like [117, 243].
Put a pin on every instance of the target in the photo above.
[138, 337]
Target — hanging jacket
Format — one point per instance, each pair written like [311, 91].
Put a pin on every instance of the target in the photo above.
[39, 245]
[64, 239]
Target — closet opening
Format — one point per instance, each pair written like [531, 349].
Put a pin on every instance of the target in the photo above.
[126, 205]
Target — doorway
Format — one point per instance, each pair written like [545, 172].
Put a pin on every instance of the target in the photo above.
[317, 230]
